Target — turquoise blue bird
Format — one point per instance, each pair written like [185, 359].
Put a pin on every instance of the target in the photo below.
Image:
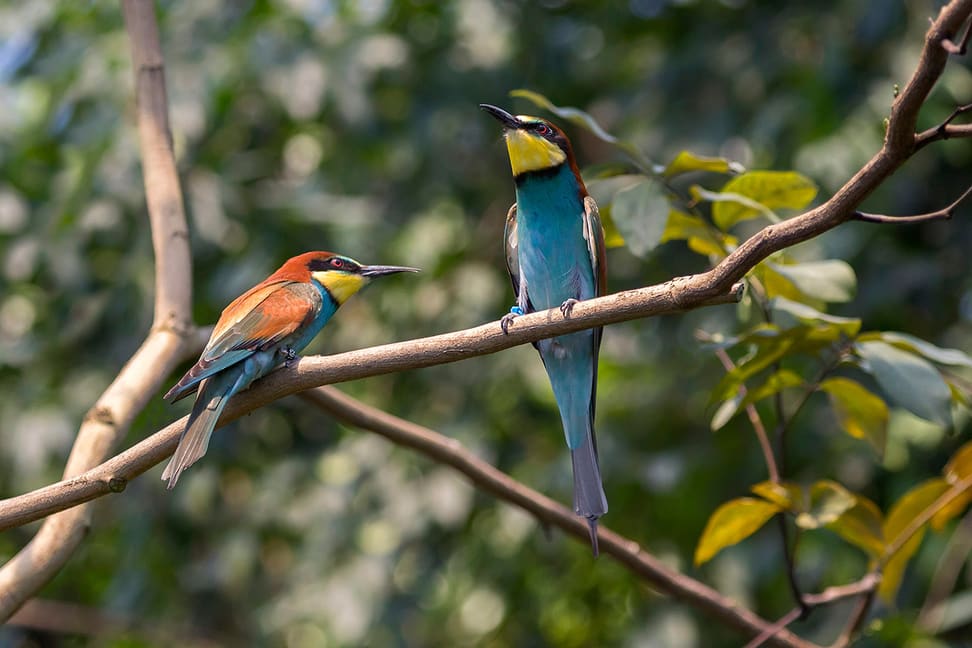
[555, 256]
[260, 330]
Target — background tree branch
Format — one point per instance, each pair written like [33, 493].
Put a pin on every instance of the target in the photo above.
[110, 417]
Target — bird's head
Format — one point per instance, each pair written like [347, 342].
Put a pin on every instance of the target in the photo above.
[534, 144]
[341, 276]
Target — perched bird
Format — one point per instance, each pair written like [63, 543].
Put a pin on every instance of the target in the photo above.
[555, 256]
[260, 330]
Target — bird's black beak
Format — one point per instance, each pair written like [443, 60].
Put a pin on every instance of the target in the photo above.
[380, 270]
[503, 117]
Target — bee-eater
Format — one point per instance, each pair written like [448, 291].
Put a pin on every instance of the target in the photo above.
[555, 256]
[260, 330]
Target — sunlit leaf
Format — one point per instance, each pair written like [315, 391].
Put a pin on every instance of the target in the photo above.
[786, 495]
[862, 525]
[949, 357]
[744, 204]
[828, 501]
[763, 357]
[770, 189]
[906, 509]
[686, 162]
[731, 523]
[861, 414]
[724, 413]
[957, 470]
[959, 467]
[847, 326]
[639, 212]
[776, 382]
[702, 238]
[909, 380]
[830, 280]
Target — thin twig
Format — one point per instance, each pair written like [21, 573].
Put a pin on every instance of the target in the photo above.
[770, 632]
[949, 45]
[945, 213]
[946, 129]
[754, 420]
[857, 617]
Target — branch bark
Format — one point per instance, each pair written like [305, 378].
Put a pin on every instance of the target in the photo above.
[109, 419]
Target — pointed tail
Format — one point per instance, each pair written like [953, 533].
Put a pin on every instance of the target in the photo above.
[589, 499]
[213, 395]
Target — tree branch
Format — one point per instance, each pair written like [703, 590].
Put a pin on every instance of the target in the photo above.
[485, 477]
[944, 213]
[109, 419]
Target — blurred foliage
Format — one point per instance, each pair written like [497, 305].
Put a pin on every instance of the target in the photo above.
[353, 126]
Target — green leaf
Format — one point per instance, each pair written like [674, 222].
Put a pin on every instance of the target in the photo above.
[948, 357]
[830, 281]
[686, 162]
[776, 382]
[764, 356]
[731, 523]
[828, 501]
[722, 198]
[639, 212]
[909, 380]
[702, 237]
[862, 525]
[906, 509]
[861, 414]
[769, 189]
[603, 190]
[847, 326]
[786, 495]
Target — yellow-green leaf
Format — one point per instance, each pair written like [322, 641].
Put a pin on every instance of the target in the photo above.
[862, 526]
[731, 523]
[770, 189]
[639, 212]
[786, 495]
[951, 510]
[959, 467]
[702, 238]
[791, 310]
[828, 501]
[861, 414]
[906, 509]
[686, 162]
[830, 280]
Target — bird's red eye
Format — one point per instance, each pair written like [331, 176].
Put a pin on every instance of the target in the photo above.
[337, 263]
[543, 129]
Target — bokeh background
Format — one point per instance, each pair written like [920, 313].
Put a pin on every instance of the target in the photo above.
[353, 126]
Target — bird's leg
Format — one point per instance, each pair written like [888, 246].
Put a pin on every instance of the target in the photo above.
[567, 307]
[518, 309]
[290, 356]
[515, 312]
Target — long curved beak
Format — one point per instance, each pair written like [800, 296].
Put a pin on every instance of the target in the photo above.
[380, 270]
[502, 116]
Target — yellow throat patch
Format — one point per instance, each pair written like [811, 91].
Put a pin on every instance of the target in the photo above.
[530, 152]
[340, 284]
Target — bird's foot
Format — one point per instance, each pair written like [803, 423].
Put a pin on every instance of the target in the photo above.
[567, 307]
[592, 529]
[515, 312]
[290, 357]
